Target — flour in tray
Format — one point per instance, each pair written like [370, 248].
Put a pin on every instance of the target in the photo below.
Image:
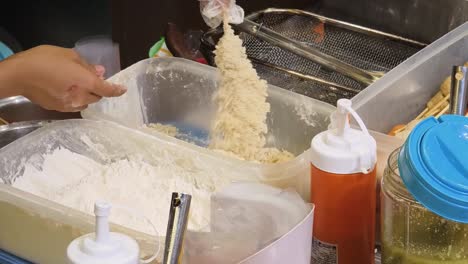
[77, 181]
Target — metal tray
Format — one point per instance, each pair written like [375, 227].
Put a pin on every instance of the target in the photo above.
[11, 132]
[19, 109]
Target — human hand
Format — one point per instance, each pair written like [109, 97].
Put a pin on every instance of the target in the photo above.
[212, 12]
[221, 4]
[58, 79]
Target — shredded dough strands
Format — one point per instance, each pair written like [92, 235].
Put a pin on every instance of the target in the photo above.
[240, 126]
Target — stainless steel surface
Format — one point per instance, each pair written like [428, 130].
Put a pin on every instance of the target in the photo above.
[422, 20]
[208, 42]
[18, 109]
[459, 90]
[11, 132]
[306, 76]
[308, 52]
[361, 47]
[337, 23]
[177, 225]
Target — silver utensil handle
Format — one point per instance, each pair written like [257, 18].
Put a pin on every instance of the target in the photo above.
[307, 52]
[307, 76]
[176, 227]
[459, 90]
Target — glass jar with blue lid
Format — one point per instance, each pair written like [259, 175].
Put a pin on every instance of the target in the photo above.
[425, 195]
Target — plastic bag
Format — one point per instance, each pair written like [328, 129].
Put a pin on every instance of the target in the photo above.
[212, 12]
[245, 218]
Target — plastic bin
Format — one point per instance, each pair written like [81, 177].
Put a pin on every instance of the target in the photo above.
[402, 93]
[178, 91]
[40, 230]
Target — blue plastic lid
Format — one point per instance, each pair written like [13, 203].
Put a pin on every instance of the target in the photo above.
[433, 164]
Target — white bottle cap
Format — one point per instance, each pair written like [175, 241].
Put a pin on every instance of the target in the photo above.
[341, 149]
[103, 247]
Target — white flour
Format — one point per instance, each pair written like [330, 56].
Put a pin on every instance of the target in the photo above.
[76, 181]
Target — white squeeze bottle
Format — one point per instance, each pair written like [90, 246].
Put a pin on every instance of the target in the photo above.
[343, 190]
[103, 247]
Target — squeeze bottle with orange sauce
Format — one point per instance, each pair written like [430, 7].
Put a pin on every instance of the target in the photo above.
[343, 168]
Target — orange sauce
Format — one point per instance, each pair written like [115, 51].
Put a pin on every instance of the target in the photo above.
[345, 213]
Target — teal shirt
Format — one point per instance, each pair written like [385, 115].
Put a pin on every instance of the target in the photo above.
[5, 51]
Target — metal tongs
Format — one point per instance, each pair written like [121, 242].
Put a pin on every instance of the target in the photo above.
[305, 51]
[177, 225]
[459, 90]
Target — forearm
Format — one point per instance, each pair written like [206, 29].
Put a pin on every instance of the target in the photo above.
[9, 85]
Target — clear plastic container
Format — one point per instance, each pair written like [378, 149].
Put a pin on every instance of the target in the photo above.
[40, 230]
[179, 92]
[411, 233]
[402, 94]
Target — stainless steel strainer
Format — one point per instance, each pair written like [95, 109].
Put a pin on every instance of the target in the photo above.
[361, 47]
[309, 52]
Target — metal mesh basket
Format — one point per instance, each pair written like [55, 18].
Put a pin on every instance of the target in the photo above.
[362, 47]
